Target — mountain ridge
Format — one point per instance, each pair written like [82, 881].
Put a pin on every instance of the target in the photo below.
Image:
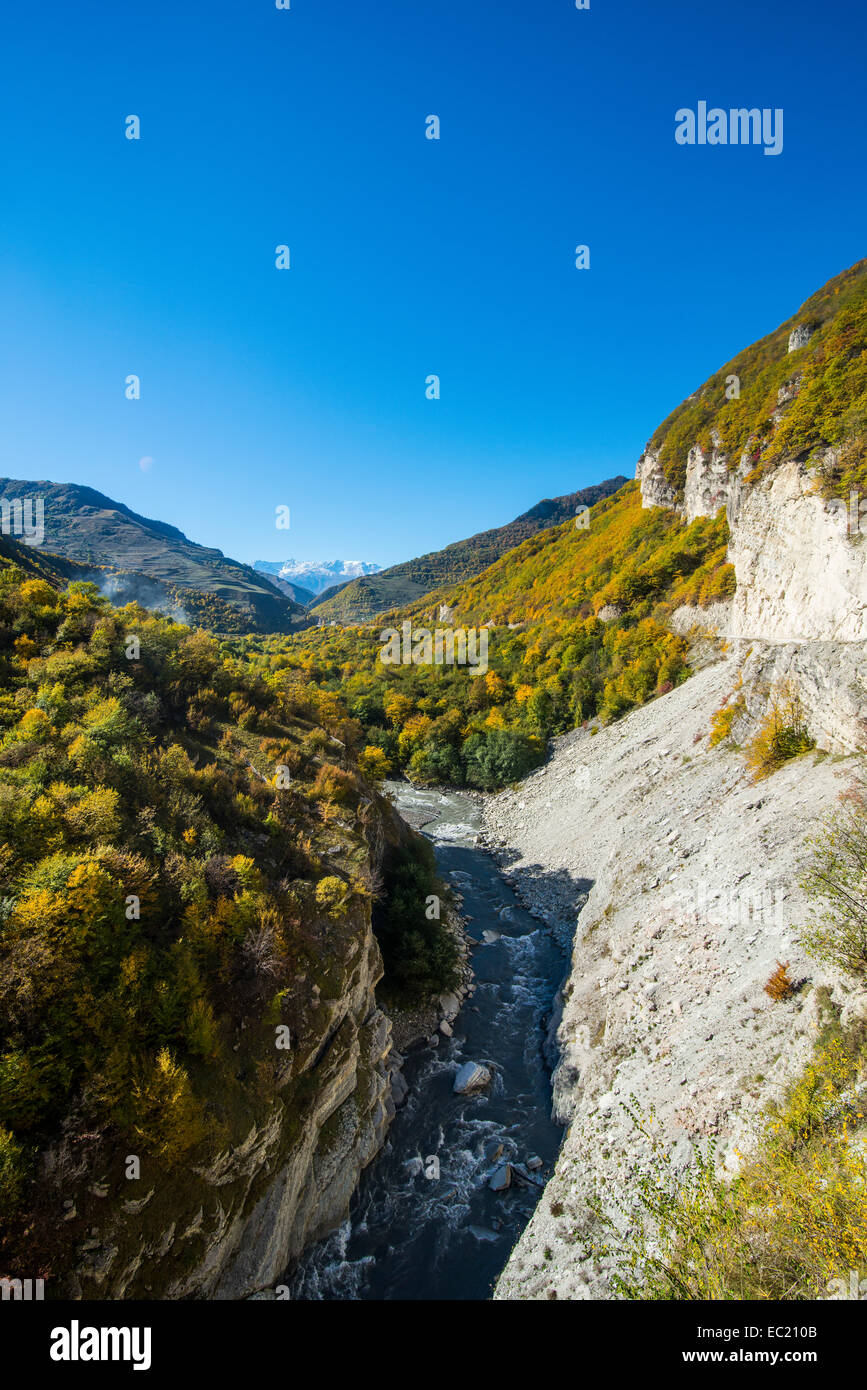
[411, 580]
[87, 526]
[315, 577]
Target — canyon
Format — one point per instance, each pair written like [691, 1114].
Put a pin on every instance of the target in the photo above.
[696, 872]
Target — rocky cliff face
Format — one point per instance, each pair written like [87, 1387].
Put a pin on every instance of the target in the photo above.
[707, 483]
[695, 893]
[801, 574]
[800, 559]
[695, 869]
[799, 612]
[230, 1224]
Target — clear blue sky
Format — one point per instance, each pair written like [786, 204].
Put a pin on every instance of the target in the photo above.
[409, 257]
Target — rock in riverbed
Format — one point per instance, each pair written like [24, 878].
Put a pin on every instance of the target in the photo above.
[501, 1178]
[472, 1076]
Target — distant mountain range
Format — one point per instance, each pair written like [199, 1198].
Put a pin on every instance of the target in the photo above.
[132, 557]
[313, 577]
[363, 599]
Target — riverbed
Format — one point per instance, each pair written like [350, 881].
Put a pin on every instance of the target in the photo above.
[424, 1223]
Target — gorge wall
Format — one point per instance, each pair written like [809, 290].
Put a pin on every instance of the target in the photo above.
[695, 868]
[799, 612]
[228, 1226]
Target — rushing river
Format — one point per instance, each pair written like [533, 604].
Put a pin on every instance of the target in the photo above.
[411, 1236]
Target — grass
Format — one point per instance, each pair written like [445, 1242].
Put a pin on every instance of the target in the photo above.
[794, 1219]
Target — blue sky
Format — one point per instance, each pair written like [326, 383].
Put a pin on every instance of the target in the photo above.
[306, 388]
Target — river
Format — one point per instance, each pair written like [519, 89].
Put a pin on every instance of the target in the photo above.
[412, 1236]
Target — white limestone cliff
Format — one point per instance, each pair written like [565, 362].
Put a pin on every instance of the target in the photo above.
[695, 870]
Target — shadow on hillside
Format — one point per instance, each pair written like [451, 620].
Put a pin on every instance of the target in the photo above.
[555, 893]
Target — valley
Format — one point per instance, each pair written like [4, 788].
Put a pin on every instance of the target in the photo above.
[426, 1222]
[228, 952]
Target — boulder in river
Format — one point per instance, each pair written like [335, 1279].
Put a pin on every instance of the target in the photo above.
[501, 1178]
[449, 1006]
[523, 1177]
[493, 1150]
[472, 1076]
[483, 1234]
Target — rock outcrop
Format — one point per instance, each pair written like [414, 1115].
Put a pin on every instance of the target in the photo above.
[799, 612]
[695, 870]
[801, 576]
[229, 1226]
[694, 897]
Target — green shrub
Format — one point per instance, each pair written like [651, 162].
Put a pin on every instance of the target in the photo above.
[419, 953]
[835, 880]
[330, 894]
[13, 1171]
[499, 756]
[783, 733]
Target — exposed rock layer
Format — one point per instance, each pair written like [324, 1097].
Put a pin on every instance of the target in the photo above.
[694, 896]
[695, 870]
[229, 1225]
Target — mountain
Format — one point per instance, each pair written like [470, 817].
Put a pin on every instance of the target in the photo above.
[299, 595]
[629, 563]
[36, 564]
[161, 777]
[316, 576]
[713, 982]
[133, 557]
[798, 392]
[362, 599]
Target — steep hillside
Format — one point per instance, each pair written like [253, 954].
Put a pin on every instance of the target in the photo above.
[188, 960]
[799, 393]
[33, 562]
[793, 501]
[400, 585]
[711, 1050]
[665, 1040]
[641, 564]
[575, 623]
[158, 563]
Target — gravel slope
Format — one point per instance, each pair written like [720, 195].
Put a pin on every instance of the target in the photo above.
[692, 875]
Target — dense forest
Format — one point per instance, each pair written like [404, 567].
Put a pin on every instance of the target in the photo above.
[180, 838]
[553, 662]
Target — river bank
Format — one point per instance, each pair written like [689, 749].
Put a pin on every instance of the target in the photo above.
[425, 1222]
[692, 880]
